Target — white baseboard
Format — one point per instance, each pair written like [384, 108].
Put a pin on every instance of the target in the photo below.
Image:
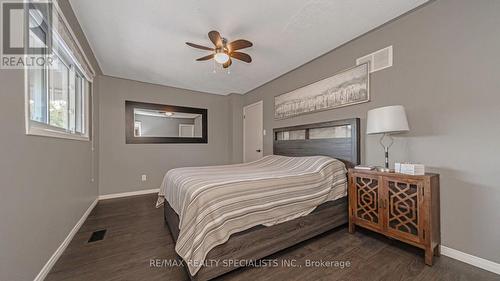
[53, 259]
[127, 194]
[470, 259]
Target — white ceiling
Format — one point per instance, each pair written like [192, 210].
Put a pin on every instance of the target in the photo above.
[145, 39]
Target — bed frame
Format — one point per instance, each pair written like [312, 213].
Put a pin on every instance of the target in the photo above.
[260, 241]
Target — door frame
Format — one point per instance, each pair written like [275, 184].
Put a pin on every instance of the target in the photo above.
[261, 103]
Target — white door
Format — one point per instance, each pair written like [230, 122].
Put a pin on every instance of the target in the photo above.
[252, 132]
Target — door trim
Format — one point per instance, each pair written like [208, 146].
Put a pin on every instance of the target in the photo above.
[261, 103]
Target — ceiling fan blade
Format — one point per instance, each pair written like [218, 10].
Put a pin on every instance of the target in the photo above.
[215, 38]
[199, 46]
[227, 64]
[239, 44]
[206, 57]
[241, 56]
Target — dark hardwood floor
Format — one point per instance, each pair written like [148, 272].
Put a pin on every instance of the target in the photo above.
[137, 235]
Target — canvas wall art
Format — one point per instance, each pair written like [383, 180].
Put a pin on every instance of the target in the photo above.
[348, 87]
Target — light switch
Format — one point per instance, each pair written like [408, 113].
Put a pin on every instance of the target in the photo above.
[144, 177]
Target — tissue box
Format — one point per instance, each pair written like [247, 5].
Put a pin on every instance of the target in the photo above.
[410, 169]
[397, 167]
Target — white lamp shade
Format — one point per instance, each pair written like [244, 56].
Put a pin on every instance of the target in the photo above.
[386, 120]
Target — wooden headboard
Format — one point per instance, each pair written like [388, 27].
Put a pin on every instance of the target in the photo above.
[338, 139]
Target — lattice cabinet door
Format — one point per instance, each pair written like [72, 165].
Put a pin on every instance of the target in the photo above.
[366, 198]
[403, 207]
[403, 211]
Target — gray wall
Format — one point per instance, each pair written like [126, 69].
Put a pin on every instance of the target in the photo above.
[446, 73]
[161, 126]
[121, 165]
[236, 127]
[45, 182]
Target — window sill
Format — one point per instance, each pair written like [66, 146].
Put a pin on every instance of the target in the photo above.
[54, 133]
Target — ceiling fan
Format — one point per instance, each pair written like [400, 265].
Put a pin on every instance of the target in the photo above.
[224, 51]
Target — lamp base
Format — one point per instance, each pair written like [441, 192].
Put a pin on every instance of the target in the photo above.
[384, 170]
[386, 148]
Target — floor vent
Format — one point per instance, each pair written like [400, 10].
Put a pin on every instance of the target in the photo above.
[97, 235]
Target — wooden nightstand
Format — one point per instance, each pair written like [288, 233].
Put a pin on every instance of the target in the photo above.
[400, 206]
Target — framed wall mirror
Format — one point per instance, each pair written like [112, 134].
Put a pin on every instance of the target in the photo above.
[161, 123]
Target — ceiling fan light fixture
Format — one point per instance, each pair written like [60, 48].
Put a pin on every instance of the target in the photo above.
[221, 57]
[224, 51]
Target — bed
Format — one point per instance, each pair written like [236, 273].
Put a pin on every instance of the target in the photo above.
[248, 211]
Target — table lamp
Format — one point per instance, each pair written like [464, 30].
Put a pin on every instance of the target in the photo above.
[387, 121]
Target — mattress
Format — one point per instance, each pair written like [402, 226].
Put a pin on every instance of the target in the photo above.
[214, 202]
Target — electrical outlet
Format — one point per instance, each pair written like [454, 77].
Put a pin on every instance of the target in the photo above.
[144, 177]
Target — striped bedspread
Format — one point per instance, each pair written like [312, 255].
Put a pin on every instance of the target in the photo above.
[215, 202]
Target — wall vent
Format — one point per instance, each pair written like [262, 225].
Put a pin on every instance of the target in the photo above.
[379, 60]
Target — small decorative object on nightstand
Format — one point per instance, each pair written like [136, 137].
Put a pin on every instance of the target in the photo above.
[403, 207]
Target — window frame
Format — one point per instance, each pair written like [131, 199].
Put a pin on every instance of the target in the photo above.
[37, 128]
